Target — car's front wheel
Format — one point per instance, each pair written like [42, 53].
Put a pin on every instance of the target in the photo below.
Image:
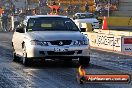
[15, 57]
[67, 60]
[84, 61]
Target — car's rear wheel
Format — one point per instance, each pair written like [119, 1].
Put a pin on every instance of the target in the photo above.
[84, 61]
[26, 61]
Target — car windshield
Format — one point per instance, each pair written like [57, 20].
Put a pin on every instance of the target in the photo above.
[51, 24]
[83, 16]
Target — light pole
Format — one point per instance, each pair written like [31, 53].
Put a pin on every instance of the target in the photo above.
[79, 6]
[26, 4]
[108, 8]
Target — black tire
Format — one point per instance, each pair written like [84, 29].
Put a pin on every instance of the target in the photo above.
[67, 60]
[15, 57]
[26, 61]
[80, 80]
[84, 61]
[42, 62]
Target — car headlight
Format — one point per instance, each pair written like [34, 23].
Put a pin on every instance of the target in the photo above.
[41, 43]
[80, 42]
[84, 42]
[76, 42]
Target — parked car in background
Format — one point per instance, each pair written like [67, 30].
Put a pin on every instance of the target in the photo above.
[79, 18]
[49, 36]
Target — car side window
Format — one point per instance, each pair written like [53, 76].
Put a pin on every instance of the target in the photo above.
[20, 28]
[78, 16]
[31, 23]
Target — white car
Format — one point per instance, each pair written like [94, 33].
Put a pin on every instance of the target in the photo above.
[49, 36]
[86, 18]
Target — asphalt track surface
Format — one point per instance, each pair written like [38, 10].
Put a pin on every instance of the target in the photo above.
[57, 74]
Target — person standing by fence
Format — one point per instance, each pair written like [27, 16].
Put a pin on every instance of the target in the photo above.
[1, 12]
[87, 7]
[4, 20]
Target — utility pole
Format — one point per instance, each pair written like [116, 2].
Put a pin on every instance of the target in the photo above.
[39, 5]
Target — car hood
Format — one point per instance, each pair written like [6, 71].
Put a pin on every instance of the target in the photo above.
[55, 35]
[90, 20]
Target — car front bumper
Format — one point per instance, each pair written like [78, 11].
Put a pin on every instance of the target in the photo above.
[57, 51]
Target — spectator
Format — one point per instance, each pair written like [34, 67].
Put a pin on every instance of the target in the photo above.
[86, 7]
[69, 9]
[96, 2]
[113, 1]
[98, 8]
[76, 9]
[54, 3]
[103, 11]
[4, 19]
[33, 12]
[104, 6]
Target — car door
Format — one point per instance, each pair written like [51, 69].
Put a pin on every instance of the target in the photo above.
[18, 39]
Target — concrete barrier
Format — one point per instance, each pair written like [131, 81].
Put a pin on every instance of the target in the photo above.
[113, 32]
[109, 39]
[92, 38]
[117, 43]
[88, 26]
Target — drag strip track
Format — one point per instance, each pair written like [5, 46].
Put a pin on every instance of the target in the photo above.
[57, 74]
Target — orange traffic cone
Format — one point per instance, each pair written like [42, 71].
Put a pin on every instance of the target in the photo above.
[105, 25]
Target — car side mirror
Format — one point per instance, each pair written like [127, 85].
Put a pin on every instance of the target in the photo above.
[83, 29]
[20, 30]
[74, 17]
